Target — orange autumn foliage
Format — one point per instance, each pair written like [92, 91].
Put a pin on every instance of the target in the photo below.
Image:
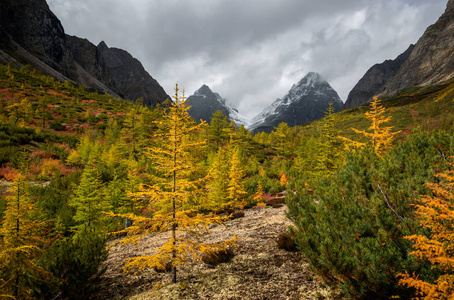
[380, 136]
[436, 214]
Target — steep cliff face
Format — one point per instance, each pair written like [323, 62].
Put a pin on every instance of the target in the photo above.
[432, 60]
[86, 55]
[32, 25]
[374, 79]
[31, 34]
[89, 68]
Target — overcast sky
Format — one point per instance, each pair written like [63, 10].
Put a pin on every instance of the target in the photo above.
[252, 51]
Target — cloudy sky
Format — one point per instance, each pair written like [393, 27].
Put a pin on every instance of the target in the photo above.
[252, 51]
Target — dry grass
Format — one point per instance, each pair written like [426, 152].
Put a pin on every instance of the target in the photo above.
[259, 269]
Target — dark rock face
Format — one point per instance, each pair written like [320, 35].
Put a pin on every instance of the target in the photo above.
[305, 102]
[374, 79]
[31, 34]
[204, 103]
[86, 55]
[31, 24]
[126, 75]
[89, 68]
[432, 60]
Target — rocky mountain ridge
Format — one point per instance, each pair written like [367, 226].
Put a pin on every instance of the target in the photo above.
[204, 103]
[374, 79]
[306, 101]
[432, 59]
[31, 34]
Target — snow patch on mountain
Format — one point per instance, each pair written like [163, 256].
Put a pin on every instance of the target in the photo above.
[311, 88]
[205, 102]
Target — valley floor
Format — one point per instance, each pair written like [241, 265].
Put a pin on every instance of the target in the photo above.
[259, 270]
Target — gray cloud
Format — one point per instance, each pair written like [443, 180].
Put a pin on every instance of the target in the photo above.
[251, 52]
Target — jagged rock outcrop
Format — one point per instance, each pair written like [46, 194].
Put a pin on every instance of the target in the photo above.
[33, 25]
[31, 34]
[89, 68]
[204, 103]
[374, 79]
[127, 76]
[432, 59]
[305, 102]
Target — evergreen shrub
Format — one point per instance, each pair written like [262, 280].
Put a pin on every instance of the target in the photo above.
[351, 227]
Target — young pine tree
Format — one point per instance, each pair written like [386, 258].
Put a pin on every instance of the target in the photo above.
[20, 245]
[435, 214]
[174, 195]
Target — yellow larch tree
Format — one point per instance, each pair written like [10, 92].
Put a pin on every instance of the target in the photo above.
[21, 244]
[284, 181]
[219, 175]
[259, 195]
[436, 214]
[173, 196]
[237, 192]
[380, 136]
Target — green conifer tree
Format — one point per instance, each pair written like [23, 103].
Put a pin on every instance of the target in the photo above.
[90, 202]
[328, 154]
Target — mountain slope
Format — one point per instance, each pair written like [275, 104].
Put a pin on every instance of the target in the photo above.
[374, 79]
[204, 103]
[31, 34]
[432, 60]
[305, 102]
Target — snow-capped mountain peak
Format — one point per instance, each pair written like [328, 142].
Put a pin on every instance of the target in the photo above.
[204, 102]
[306, 101]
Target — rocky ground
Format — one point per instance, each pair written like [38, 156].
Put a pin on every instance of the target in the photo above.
[259, 269]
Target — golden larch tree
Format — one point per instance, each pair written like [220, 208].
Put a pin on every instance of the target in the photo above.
[284, 181]
[380, 136]
[21, 244]
[237, 192]
[259, 195]
[173, 195]
[219, 175]
[436, 214]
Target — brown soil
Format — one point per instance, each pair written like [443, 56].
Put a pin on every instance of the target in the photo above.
[259, 269]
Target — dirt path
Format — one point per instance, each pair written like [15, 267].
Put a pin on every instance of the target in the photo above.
[259, 269]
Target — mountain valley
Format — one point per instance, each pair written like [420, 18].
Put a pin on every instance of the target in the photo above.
[108, 191]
